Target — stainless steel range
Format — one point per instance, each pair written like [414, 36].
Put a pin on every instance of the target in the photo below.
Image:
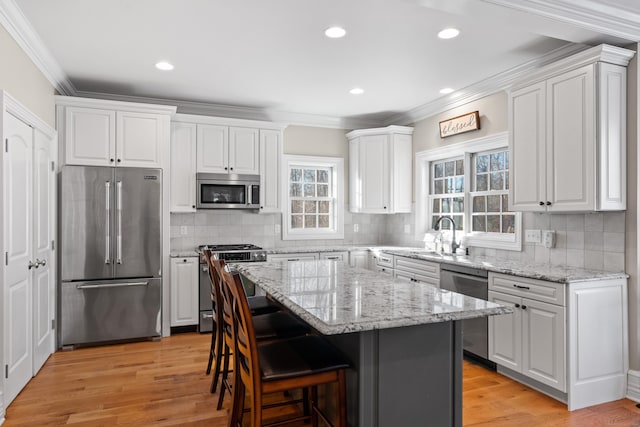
[229, 253]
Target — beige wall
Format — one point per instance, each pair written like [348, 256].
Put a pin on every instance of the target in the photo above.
[493, 119]
[24, 81]
[631, 238]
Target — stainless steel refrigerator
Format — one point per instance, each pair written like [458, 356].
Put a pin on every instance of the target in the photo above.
[110, 254]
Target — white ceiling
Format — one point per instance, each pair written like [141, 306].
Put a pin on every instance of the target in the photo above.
[272, 55]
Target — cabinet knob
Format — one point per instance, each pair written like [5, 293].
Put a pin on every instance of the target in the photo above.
[385, 207]
[226, 168]
[541, 203]
[524, 307]
[517, 305]
[548, 203]
[119, 160]
[193, 206]
[231, 168]
[111, 160]
[184, 260]
[261, 207]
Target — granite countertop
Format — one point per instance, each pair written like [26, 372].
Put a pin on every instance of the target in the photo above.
[551, 273]
[335, 298]
[309, 249]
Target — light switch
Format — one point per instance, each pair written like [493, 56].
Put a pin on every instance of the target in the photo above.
[532, 236]
[356, 228]
[183, 230]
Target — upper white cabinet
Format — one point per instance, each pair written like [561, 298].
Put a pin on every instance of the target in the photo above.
[183, 167]
[224, 149]
[110, 133]
[567, 134]
[380, 163]
[270, 158]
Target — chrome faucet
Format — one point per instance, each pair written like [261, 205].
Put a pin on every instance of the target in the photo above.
[454, 244]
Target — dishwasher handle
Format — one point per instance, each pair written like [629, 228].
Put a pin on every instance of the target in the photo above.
[466, 276]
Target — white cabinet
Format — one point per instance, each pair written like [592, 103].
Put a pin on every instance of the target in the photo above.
[567, 135]
[109, 133]
[415, 270]
[270, 159]
[336, 256]
[224, 149]
[303, 256]
[569, 340]
[27, 273]
[380, 165]
[184, 291]
[359, 258]
[382, 263]
[183, 167]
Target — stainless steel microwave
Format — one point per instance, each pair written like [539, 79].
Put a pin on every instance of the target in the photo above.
[228, 191]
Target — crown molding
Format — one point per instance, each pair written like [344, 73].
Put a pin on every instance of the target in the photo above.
[486, 87]
[245, 113]
[16, 24]
[225, 121]
[589, 14]
[75, 101]
[403, 130]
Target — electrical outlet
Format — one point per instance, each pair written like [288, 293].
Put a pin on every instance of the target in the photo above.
[356, 228]
[407, 229]
[183, 230]
[532, 236]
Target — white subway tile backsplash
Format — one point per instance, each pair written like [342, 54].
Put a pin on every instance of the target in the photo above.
[575, 239]
[593, 241]
[613, 261]
[558, 222]
[593, 260]
[575, 258]
[594, 222]
[614, 222]
[613, 242]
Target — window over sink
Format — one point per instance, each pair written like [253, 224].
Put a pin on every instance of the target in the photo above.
[469, 182]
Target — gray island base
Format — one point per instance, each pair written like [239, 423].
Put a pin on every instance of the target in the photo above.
[403, 339]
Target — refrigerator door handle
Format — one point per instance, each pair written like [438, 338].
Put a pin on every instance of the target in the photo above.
[119, 222]
[111, 285]
[107, 208]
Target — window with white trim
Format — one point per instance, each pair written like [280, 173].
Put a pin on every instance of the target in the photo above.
[313, 198]
[469, 182]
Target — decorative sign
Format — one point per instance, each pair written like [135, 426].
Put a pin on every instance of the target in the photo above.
[461, 124]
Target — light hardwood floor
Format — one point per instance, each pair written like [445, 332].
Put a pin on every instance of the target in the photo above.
[163, 384]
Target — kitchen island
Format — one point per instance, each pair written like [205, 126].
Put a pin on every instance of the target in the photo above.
[403, 339]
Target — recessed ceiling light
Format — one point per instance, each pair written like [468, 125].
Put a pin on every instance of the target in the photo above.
[446, 90]
[164, 66]
[448, 33]
[335, 32]
[356, 91]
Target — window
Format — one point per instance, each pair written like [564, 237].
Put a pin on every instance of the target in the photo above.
[469, 182]
[313, 198]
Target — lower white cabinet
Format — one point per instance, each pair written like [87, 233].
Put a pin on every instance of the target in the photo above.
[184, 291]
[359, 259]
[415, 270]
[567, 340]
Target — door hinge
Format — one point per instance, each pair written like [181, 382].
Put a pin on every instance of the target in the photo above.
[53, 245]
[6, 371]
[53, 166]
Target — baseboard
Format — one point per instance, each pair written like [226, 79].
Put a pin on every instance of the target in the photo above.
[633, 385]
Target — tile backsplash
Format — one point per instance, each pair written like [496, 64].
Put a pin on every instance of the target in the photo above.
[591, 240]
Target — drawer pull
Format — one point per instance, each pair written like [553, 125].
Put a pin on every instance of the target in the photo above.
[520, 287]
[517, 305]
[524, 307]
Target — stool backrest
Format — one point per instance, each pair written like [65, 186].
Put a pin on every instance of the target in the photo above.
[246, 350]
[214, 279]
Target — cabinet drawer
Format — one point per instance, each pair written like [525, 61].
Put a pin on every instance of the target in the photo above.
[430, 280]
[384, 260]
[337, 256]
[419, 267]
[307, 256]
[539, 290]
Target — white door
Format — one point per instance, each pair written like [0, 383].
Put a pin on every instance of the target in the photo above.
[374, 173]
[543, 334]
[270, 170]
[571, 147]
[244, 151]
[18, 355]
[505, 333]
[213, 149]
[90, 136]
[184, 291]
[527, 146]
[138, 139]
[43, 235]
[183, 167]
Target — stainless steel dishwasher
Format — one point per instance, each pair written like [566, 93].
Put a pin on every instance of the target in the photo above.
[474, 283]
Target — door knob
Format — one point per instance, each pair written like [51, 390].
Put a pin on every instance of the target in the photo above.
[42, 262]
[33, 264]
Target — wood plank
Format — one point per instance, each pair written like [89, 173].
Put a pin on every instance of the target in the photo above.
[164, 384]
